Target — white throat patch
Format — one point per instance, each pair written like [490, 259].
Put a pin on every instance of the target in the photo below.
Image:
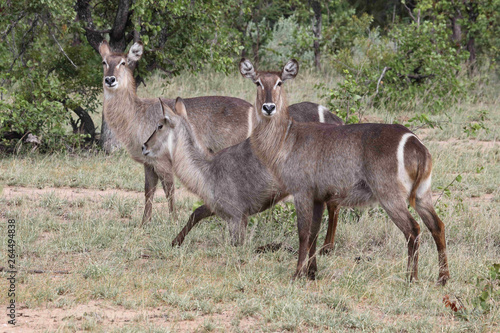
[170, 144]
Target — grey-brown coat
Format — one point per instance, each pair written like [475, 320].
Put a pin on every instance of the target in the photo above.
[232, 183]
[351, 165]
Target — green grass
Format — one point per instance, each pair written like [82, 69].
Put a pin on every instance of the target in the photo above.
[125, 279]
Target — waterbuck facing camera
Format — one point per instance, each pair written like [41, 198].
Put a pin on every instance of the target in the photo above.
[350, 165]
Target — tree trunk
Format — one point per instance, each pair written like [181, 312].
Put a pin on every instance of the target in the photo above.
[108, 141]
[255, 47]
[456, 35]
[86, 122]
[317, 21]
[472, 10]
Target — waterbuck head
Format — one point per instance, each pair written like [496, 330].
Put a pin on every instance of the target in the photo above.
[163, 136]
[270, 95]
[118, 67]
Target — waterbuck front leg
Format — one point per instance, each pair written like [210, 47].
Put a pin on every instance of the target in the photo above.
[333, 217]
[304, 206]
[237, 228]
[199, 214]
[150, 182]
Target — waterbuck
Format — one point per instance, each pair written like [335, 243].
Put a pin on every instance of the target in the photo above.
[351, 165]
[232, 183]
[218, 121]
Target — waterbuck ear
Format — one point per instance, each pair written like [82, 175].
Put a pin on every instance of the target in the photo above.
[167, 112]
[247, 70]
[290, 70]
[104, 49]
[180, 108]
[135, 52]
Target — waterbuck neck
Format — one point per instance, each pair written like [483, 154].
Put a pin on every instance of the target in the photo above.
[273, 138]
[191, 165]
[130, 118]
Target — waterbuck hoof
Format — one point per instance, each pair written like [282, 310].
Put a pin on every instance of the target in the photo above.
[177, 242]
[443, 278]
[326, 250]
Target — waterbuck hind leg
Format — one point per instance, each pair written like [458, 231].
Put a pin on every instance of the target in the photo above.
[399, 214]
[304, 207]
[199, 214]
[425, 210]
[150, 182]
[312, 266]
[333, 216]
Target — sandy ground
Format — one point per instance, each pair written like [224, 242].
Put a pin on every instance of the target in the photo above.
[105, 315]
[10, 192]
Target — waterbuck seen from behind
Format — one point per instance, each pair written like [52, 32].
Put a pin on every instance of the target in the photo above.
[351, 165]
[232, 183]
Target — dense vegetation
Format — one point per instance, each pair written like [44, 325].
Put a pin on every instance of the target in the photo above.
[401, 55]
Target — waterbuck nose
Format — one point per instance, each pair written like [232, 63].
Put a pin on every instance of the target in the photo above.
[110, 80]
[268, 108]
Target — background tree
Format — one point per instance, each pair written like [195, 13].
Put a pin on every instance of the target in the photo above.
[49, 61]
[50, 73]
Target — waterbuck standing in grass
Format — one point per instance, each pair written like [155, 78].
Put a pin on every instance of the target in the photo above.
[232, 183]
[218, 121]
[350, 165]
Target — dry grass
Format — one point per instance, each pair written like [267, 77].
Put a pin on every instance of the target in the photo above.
[125, 279]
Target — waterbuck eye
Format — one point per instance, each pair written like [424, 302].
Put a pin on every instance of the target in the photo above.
[257, 83]
[279, 83]
[160, 127]
[104, 62]
[122, 63]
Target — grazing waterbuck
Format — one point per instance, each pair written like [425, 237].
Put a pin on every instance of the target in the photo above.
[232, 183]
[351, 165]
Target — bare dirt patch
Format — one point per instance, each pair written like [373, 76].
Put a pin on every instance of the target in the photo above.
[101, 314]
[12, 192]
[483, 145]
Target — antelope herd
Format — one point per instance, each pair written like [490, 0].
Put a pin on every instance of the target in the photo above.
[242, 159]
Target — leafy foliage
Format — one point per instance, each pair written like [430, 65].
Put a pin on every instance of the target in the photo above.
[425, 66]
[45, 78]
[49, 64]
[346, 100]
[412, 55]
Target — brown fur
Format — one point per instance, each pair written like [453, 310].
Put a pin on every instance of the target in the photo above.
[232, 183]
[218, 121]
[349, 165]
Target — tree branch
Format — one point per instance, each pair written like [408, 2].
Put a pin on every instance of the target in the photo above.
[117, 35]
[12, 25]
[62, 50]
[409, 11]
[381, 77]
